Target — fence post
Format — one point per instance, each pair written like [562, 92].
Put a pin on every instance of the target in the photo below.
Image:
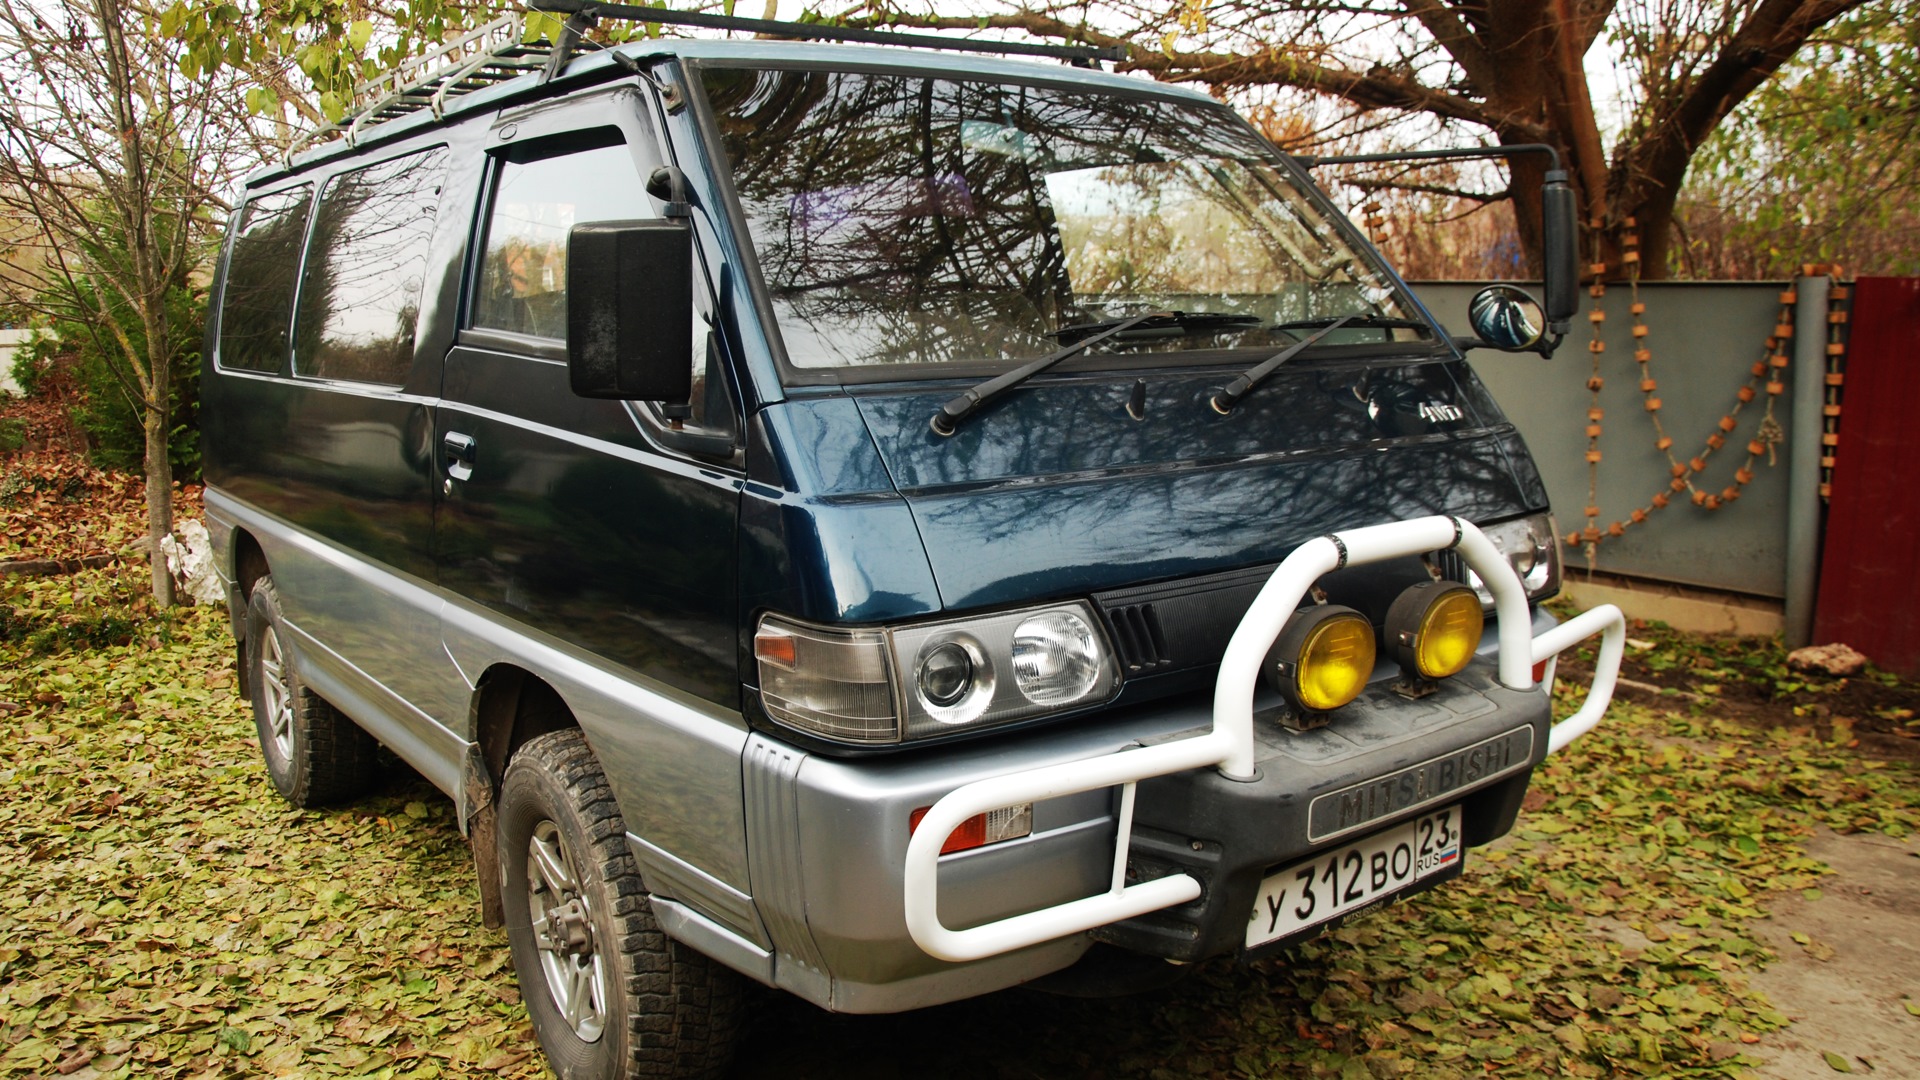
[1804, 429]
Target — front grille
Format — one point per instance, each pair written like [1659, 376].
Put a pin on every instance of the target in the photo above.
[1451, 566]
[1137, 635]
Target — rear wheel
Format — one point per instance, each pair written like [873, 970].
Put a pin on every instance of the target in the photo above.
[611, 997]
[314, 754]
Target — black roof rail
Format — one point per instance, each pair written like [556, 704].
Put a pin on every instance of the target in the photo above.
[582, 12]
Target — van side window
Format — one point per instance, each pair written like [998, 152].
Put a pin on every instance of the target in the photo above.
[257, 304]
[523, 275]
[360, 299]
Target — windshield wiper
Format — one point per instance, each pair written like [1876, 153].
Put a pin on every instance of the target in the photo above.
[1370, 322]
[1224, 401]
[1165, 324]
[947, 420]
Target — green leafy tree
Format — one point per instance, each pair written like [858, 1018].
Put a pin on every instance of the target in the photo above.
[1820, 164]
[108, 165]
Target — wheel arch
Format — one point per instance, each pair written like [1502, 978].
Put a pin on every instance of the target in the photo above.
[510, 706]
[249, 563]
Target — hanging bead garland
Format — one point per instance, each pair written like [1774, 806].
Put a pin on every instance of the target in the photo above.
[1835, 380]
[1770, 369]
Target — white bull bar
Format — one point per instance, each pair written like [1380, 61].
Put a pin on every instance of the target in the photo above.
[1229, 744]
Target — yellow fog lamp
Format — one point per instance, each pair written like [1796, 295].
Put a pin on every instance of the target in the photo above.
[1322, 659]
[1433, 629]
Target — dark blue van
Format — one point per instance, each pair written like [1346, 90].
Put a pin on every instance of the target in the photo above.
[879, 523]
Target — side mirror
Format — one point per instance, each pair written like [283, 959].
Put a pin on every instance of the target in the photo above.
[630, 310]
[1559, 251]
[1506, 317]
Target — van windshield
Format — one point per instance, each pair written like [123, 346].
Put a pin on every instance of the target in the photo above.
[915, 220]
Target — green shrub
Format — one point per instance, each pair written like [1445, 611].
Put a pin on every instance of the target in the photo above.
[32, 361]
[110, 412]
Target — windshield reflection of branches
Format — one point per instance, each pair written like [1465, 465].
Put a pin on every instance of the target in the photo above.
[912, 220]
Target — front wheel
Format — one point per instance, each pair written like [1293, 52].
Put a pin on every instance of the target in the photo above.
[609, 994]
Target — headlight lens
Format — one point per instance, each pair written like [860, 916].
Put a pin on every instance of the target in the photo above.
[1055, 658]
[1434, 627]
[1322, 658]
[946, 674]
[954, 680]
[887, 685]
[1532, 551]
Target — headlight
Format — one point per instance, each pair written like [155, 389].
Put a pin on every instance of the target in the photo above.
[1322, 658]
[913, 682]
[1532, 551]
[1056, 658]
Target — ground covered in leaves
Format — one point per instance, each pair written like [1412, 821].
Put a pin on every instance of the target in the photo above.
[1749, 678]
[162, 912]
[53, 503]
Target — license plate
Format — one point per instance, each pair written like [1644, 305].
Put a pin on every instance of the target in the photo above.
[1348, 878]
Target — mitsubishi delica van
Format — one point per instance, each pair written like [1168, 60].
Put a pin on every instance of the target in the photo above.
[884, 523]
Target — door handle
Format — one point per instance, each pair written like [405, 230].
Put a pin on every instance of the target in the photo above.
[459, 455]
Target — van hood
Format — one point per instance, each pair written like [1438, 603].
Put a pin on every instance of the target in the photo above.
[1057, 490]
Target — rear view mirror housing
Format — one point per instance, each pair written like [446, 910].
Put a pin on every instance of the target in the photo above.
[1559, 251]
[630, 310]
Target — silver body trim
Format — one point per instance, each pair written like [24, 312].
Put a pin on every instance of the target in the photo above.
[689, 927]
[670, 877]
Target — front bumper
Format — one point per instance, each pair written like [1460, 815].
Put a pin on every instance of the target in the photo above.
[831, 834]
[1385, 759]
[1228, 748]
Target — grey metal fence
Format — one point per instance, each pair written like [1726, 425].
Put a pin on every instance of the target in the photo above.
[1704, 338]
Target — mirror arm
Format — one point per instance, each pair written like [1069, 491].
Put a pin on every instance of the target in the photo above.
[1545, 346]
[669, 185]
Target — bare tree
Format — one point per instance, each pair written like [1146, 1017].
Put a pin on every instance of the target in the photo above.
[109, 164]
[1503, 72]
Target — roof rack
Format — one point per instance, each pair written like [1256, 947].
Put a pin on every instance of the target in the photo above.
[498, 51]
[489, 54]
[587, 10]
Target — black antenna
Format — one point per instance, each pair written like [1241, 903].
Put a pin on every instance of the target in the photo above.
[1083, 55]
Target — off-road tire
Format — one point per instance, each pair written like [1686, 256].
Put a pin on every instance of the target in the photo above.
[320, 757]
[669, 1011]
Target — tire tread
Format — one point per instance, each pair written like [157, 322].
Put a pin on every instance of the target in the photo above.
[682, 1009]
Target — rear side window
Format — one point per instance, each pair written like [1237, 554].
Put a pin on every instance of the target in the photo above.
[523, 275]
[360, 300]
[257, 305]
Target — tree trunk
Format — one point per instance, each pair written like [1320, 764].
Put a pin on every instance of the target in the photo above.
[157, 424]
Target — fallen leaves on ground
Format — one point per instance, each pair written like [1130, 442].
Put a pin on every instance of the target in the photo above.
[162, 912]
[1749, 678]
[54, 506]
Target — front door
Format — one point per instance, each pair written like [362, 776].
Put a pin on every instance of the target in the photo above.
[577, 519]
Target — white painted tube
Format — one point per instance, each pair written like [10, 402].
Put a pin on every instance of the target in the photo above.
[1607, 621]
[922, 869]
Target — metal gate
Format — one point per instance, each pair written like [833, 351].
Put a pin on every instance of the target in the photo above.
[1870, 571]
